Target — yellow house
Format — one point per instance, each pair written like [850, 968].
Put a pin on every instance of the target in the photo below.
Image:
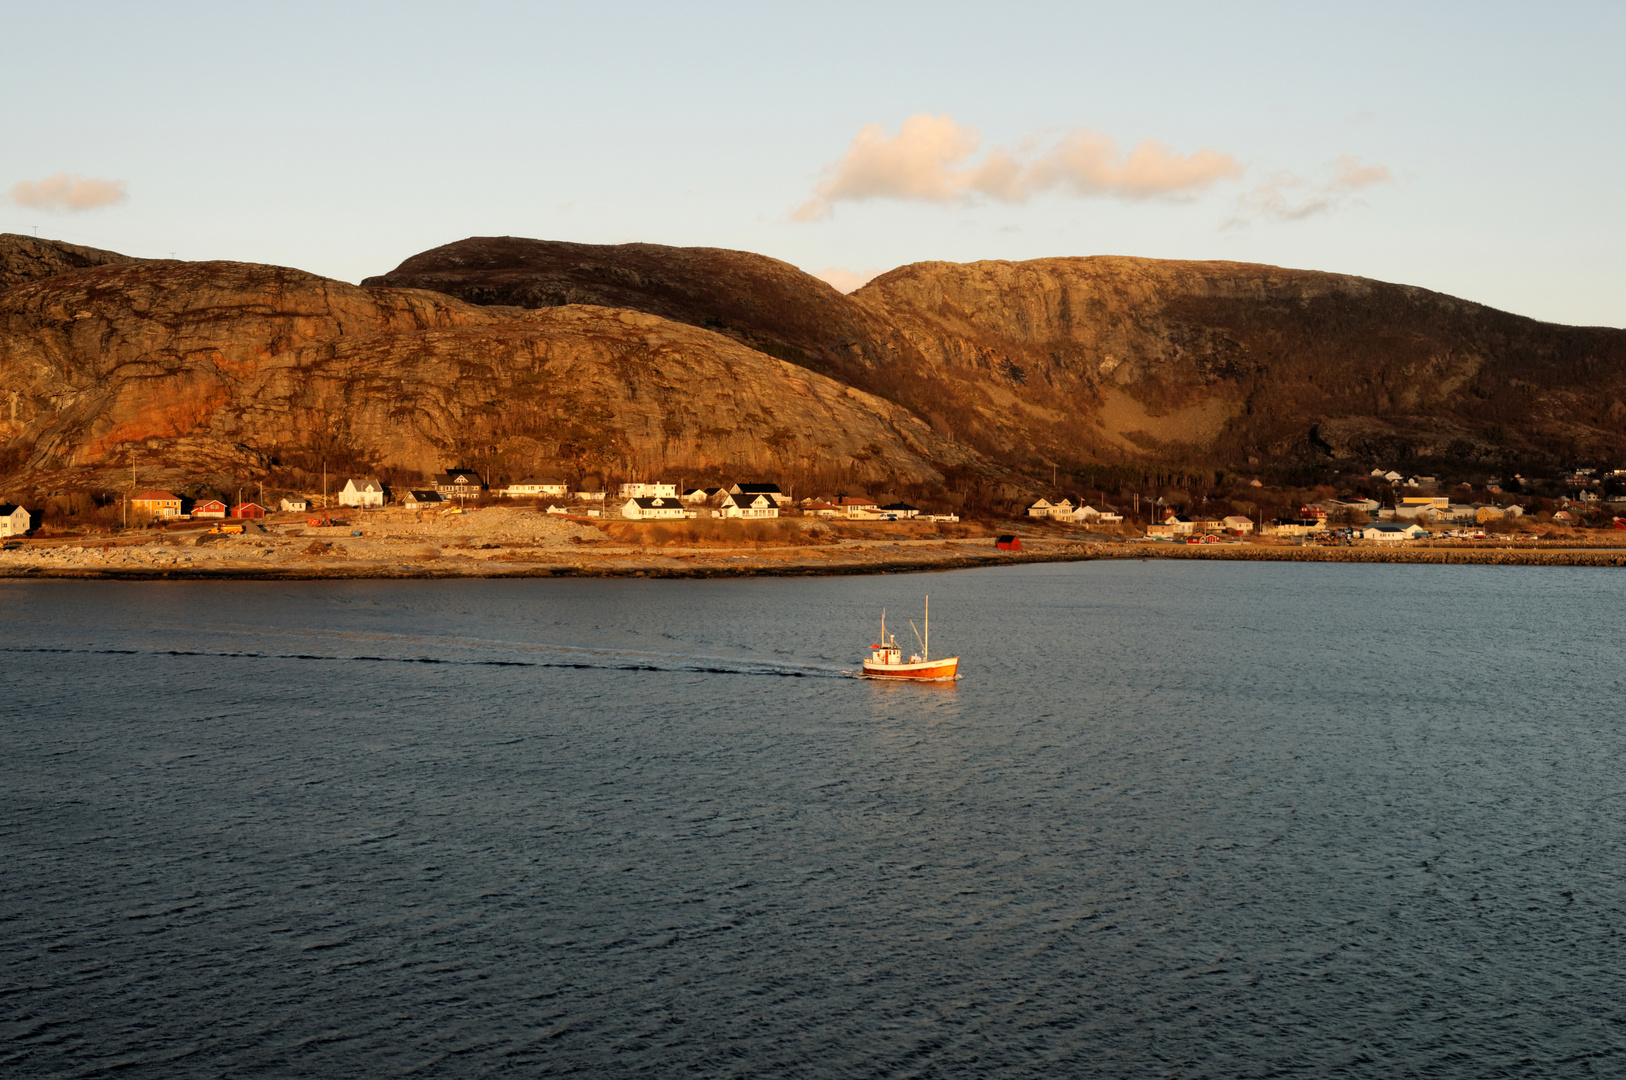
[1487, 513]
[158, 504]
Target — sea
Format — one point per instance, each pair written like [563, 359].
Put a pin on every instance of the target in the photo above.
[1176, 819]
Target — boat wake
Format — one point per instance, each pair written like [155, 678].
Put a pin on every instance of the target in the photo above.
[552, 657]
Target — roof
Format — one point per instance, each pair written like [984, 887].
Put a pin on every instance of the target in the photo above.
[425, 496]
[657, 502]
[758, 489]
[846, 501]
[458, 476]
[365, 483]
[155, 496]
[747, 499]
[8, 509]
[899, 506]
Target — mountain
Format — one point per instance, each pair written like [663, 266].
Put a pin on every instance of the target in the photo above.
[1121, 360]
[232, 368]
[525, 355]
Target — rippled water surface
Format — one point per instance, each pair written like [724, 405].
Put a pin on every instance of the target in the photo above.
[1177, 819]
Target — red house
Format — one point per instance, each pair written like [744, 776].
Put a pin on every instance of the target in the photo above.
[248, 510]
[1008, 543]
[209, 508]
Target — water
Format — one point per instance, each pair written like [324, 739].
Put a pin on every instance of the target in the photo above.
[1178, 819]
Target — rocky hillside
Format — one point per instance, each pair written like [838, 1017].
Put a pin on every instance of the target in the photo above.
[28, 258]
[1234, 363]
[236, 368]
[762, 302]
[522, 355]
[1108, 359]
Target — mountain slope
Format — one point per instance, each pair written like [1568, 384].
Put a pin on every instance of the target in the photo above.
[233, 366]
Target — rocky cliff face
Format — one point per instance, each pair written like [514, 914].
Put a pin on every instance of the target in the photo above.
[229, 367]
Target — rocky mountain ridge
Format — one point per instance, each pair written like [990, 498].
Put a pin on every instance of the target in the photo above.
[529, 355]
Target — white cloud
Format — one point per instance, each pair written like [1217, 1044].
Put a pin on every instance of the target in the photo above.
[1284, 196]
[70, 193]
[929, 160]
[846, 280]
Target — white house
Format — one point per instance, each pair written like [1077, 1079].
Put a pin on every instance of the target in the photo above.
[362, 491]
[1041, 509]
[653, 490]
[536, 488]
[900, 510]
[652, 507]
[296, 503]
[13, 520]
[1238, 524]
[1089, 514]
[759, 505]
[589, 496]
[856, 507]
[1393, 533]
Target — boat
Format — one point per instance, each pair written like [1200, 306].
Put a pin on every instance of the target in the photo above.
[885, 660]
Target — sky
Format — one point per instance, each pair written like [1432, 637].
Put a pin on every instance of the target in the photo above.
[1474, 149]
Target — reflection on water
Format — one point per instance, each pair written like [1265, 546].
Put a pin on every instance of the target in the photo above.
[1184, 820]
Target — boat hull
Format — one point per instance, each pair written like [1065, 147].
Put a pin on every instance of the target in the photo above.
[920, 671]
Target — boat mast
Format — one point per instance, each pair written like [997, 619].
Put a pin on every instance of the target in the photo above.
[883, 628]
[926, 646]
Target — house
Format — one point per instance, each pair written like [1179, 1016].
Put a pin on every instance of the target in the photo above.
[14, 520]
[700, 495]
[900, 510]
[1563, 517]
[296, 503]
[1062, 511]
[654, 490]
[651, 507]
[419, 500]
[1393, 533]
[1092, 515]
[1312, 512]
[757, 505]
[819, 508]
[589, 496]
[1296, 527]
[859, 507]
[770, 490]
[1237, 524]
[1008, 543]
[158, 504]
[363, 492]
[1487, 513]
[248, 510]
[209, 508]
[1182, 526]
[536, 488]
[459, 483]
[1041, 509]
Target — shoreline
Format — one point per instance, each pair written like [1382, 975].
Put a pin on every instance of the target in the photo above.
[732, 563]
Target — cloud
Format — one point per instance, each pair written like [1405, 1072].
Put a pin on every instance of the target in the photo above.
[71, 193]
[1284, 196]
[846, 280]
[929, 160]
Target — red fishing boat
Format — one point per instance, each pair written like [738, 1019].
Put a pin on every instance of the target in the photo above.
[885, 660]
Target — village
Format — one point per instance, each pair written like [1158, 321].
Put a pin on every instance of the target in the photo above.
[455, 523]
